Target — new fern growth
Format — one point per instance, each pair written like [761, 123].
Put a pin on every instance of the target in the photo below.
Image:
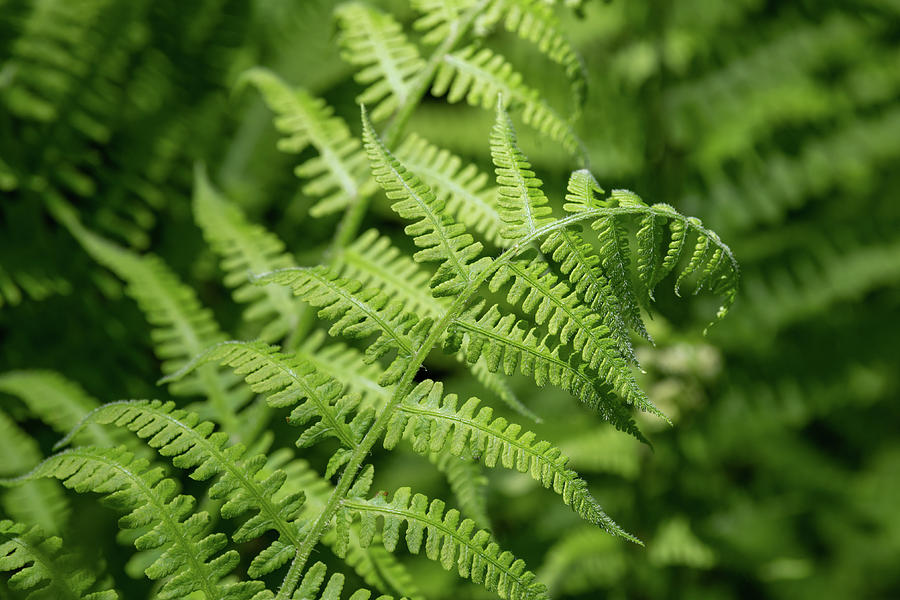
[557, 301]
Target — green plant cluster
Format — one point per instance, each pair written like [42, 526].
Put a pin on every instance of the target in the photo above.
[326, 299]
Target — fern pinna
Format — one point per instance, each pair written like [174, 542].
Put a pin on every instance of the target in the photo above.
[558, 301]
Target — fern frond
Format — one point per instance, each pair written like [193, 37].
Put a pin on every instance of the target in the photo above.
[532, 20]
[338, 174]
[291, 383]
[191, 560]
[467, 482]
[522, 204]
[525, 210]
[374, 40]
[35, 502]
[435, 423]
[42, 569]
[359, 312]
[183, 327]
[536, 22]
[438, 17]
[59, 402]
[311, 586]
[711, 260]
[463, 187]
[375, 262]
[615, 257]
[433, 229]
[193, 445]
[446, 539]
[245, 249]
[510, 345]
[479, 76]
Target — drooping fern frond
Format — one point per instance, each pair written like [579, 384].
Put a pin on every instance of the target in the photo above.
[192, 559]
[576, 258]
[479, 76]
[434, 423]
[463, 187]
[241, 482]
[711, 261]
[374, 40]
[432, 229]
[446, 539]
[338, 173]
[42, 569]
[510, 345]
[246, 249]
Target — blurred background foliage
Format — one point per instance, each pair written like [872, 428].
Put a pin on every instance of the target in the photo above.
[777, 123]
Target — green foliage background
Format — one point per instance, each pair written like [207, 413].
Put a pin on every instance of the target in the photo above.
[777, 123]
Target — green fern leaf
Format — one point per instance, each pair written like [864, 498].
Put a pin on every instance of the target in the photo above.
[359, 312]
[57, 401]
[479, 76]
[433, 229]
[40, 503]
[435, 424]
[338, 174]
[711, 258]
[374, 40]
[348, 365]
[245, 249]
[531, 20]
[447, 540]
[291, 383]
[462, 187]
[438, 17]
[576, 258]
[192, 560]
[522, 203]
[467, 482]
[193, 445]
[615, 257]
[509, 344]
[183, 328]
[536, 22]
[41, 568]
